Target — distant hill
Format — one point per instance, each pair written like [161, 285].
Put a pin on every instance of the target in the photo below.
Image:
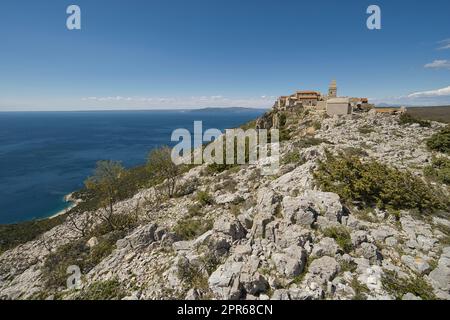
[231, 109]
[441, 113]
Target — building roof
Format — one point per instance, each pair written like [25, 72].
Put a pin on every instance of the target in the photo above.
[338, 100]
[308, 92]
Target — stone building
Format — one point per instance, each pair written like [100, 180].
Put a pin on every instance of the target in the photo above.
[338, 106]
[307, 98]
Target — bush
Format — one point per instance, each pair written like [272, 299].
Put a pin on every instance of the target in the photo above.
[310, 142]
[342, 237]
[292, 157]
[366, 130]
[103, 290]
[375, 184]
[440, 141]
[192, 228]
[76, 253]
[407, 119]
[439, 170]
[398, 287]
[204, 198]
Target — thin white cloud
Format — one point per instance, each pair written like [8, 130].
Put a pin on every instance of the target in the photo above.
[444, 44]
[419, 98]
[431, 93]
[438, 64]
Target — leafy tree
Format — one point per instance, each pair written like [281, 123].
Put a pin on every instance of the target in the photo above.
[163, 169]
[105, 183]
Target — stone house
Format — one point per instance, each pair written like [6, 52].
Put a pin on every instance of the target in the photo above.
[338, 106]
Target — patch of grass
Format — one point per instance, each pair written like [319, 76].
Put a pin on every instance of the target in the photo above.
[192, 228]
[204, 198]
[310, 142]
[398, 287]
[374, 184]
[361, 290]
[342, 237]
[440, 141]
[408, 119]
[103, 290]
[77, 253]
[439, 170]
[366, 130]
[348, 266]
[293, 157]
[317, 125]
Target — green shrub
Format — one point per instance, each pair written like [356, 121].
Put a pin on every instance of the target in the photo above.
[407, 119]
[366, 130]
[374, 184]
[342, 237]
[292, 157]
[439, 170]
[317, 125]
[204, 198]
[77, 253]
[192, 228]
[361, 290]
[310, 142]
[103, 290]
[398, 287]
[440, 141]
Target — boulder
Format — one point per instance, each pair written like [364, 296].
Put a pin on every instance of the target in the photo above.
[298, 211]
[290, 262]
[230, 227]
[323, 270]
[325, 247]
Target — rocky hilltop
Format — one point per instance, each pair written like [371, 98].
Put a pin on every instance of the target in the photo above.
[382, 231]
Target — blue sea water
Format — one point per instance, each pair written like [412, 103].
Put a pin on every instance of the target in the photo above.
[46, 155]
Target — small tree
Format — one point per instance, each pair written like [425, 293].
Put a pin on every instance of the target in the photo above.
[164, 169]
[105, 183]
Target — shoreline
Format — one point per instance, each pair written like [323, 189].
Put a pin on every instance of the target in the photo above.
[69, 199]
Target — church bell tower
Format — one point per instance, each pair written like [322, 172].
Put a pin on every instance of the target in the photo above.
[332, 91]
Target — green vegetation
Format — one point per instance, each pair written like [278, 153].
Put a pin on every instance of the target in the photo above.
[366, 130]
[439, 170]
[77, 253]
[398, 287]
[342, 237]
[440, 141]
[204, 198]
[374, 184]
[192, 227]
[103, 290]
[12, 235]
[408, 119]
[163, 169]
[309, 142]
[361, 290]
[292, 157]
[317, 125]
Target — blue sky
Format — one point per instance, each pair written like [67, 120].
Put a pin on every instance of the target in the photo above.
[165, 54]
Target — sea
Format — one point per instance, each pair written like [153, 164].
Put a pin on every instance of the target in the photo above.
[47, 155]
